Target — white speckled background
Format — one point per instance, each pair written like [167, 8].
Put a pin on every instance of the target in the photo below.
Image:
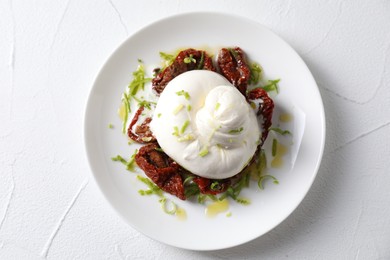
[50, 52]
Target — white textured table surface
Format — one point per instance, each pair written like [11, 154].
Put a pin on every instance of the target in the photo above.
[50, 52]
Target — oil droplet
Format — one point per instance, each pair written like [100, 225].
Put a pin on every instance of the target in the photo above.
[217, 207]
[122, 111]
[277, 161]
[285, 118]
[181, 214]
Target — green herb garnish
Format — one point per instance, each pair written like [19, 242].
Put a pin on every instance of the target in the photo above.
[168, 206]
[243, 201]
[235, 131]
[263, 177]
[189, 59]
[203, 152]
[190, 188]
[130, 164]
[177, 109]
[119, 158]
[183, 93]
[189, 107]
[139, 80]
[261, 163]
[280, 131]
[217, 105]
[169, 58]
[175, 131]
[234, 53]
[234, 190]
[201, 62]
[184, 127]
[153, 188]
[272, 86]
[187, 137]
[125, 100]
[274, 147]
[256, 72]
[144, 103]
[202, 198]
[110, 126]
[215, 185]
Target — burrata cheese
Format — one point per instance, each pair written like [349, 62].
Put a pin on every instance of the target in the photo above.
[206, 125]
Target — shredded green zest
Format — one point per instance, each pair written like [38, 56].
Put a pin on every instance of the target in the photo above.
[184, 127]
[158, 149]
[202, 198]
[159, 115]
[201, 62]
[125, 100]
[243, 201]
[203, 152]
[153, 188]
[187, 137]
[119, 158]
[189, 59]
[189, 107]
[190, 188]
[175, 131]
[179, 132]
[280, 131]
[168, 206]
[139, 80]
[188, 180]
[169, 58]
[130, 164]
[215, 185]
[177, 109]
[274, 147]
[261, 163]
[272, 86]
[234, 53]
[144, 103]
[183, 93]
[229, 214]
[262, 178]
[217, 106]
[234, 190]
[256, 72]
[235, 131]
[111, 126]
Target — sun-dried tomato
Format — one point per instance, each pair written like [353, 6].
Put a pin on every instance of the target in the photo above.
[186, 60]
[161, 169]
[266, 108]
[206, 185]
[142, 133]
[233, 66]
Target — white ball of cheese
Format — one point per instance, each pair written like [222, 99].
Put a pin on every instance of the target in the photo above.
[206, 125]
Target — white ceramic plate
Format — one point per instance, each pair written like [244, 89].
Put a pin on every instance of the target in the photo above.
[268, 207]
